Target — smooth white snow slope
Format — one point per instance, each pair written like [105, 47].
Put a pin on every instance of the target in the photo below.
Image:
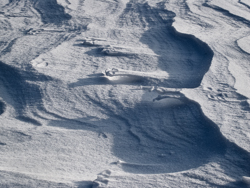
[124, 93]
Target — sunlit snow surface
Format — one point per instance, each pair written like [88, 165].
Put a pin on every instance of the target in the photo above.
[124, 93]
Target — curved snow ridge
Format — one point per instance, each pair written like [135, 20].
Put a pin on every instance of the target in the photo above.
[172, 138]
[166, 139]
[197, 63]
[184, 57]
[230, 64]
[151, 137]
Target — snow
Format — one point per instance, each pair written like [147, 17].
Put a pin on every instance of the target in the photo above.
[124, 93]
[244, 44]
[245, 2]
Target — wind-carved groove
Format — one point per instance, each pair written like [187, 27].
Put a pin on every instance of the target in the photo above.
[228, 14]
[246, 5]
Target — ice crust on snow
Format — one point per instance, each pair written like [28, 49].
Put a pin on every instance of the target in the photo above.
[124, 93]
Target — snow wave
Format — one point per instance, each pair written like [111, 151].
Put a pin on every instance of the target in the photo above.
[63, 87]
[156, 137]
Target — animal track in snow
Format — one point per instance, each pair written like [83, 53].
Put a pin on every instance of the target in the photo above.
[102, 179]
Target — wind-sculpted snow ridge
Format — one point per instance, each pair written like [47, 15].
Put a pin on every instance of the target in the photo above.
[174, 123]
[171, 139]
[231, 76]
[169, 135]
[185, 58]
[126, 93]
